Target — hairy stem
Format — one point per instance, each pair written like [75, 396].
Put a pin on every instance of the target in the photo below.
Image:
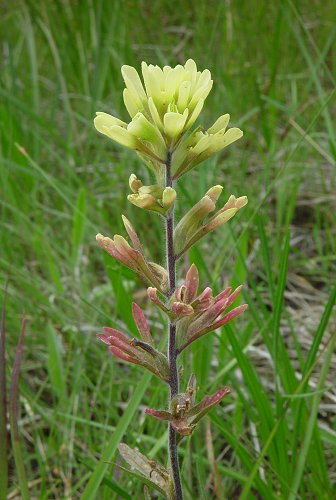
[172, 352]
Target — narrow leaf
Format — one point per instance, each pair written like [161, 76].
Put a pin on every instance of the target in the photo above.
[78, 226]
[3, 407]
[14, 417]
[90, 491]
[309, 429]
[55, 362]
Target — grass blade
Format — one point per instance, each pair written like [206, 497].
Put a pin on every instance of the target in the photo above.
[14, 417]
[265, 252]
[3, 408]
[122, 302]
[300, 409]
[320, 331]
[243, 454]
[98, 474]
[246, 491]
[55, 364]
[309, 430]
[113, 485]
[278, 303]
[78, 226]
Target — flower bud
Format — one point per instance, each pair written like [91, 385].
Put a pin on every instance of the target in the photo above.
[136, 351]
[154, 198]
[207, 309]
[134, 183]
[168, 197]
[201, 145]
[141, 323]
[184, 414]
[192, 227]
[134, 258]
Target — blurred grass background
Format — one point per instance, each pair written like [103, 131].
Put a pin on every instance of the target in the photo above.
[273, 64]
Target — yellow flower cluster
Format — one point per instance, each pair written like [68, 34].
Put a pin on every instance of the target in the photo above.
[162, 111]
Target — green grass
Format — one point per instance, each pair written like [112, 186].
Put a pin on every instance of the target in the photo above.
[273, 65]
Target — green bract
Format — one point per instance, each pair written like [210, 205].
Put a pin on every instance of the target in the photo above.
[163, 108]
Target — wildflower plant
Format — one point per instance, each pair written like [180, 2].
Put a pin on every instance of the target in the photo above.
[163, 109]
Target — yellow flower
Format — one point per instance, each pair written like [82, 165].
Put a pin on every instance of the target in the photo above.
[172, 101]
[181, 90]
[140, 134]
[162, 109]
[201, 145]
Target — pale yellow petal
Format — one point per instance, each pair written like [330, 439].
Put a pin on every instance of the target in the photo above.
[230, 136]
[168, 197]
[220, 124]
[214, 192]
[183, 96]
[201, 146]
[134, 183]
[195, 113]
[106, 120]
[132, 103]
[142, 201]
[154, 81]
[190, 66]
[174, 123]
[133, 82]
[200, 93]
[122, 136]
[155, 114]
[145, 130]
[204, 78]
